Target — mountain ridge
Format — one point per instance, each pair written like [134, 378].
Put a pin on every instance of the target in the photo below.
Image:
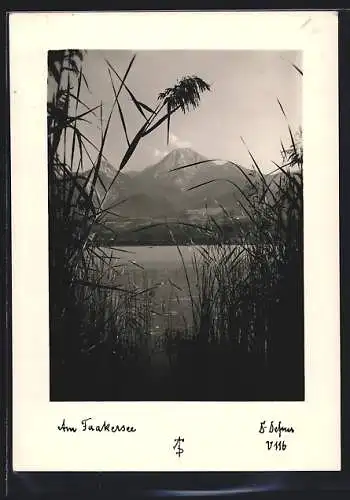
[160, 189]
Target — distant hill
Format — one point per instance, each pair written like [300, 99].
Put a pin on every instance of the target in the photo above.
[157, 190]
[182, 189]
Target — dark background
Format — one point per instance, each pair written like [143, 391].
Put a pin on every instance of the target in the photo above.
[264, 485]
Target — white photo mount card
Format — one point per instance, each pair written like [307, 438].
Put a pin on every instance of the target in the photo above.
[175, 266]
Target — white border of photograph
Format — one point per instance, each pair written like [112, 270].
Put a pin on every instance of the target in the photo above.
[218, 436]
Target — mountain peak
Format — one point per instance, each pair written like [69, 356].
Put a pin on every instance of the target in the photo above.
[187, 150]
[183, 150]
[107, 169]
[182, 156]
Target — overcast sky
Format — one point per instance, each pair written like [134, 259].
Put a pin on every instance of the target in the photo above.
[242, 102]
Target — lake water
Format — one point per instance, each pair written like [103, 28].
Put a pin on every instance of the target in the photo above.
[162, 270]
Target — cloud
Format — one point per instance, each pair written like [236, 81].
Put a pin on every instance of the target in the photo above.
[159, 154]
[174, 140]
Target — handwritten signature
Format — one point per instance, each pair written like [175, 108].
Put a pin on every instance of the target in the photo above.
[88, 425]
[272, 427]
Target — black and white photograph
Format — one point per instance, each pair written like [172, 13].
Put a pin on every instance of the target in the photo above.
[175, 264]
[175, 185]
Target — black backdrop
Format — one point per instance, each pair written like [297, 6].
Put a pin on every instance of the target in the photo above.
[136, 485]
